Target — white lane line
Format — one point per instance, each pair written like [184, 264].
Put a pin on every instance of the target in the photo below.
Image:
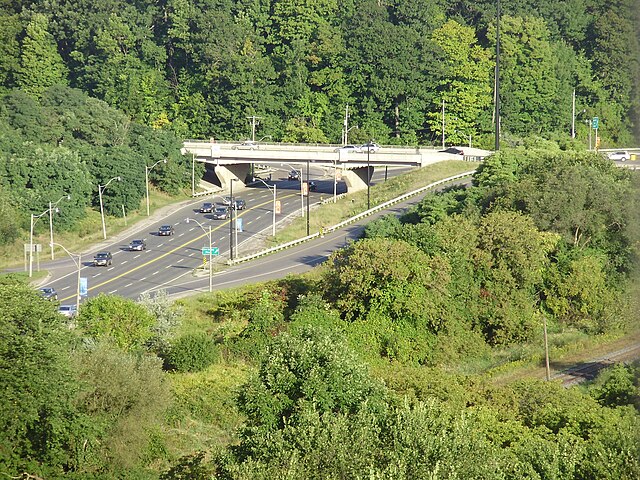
[137, 256]
[97, 275]
[191, 254]
[143, 279]
[155, 273]
[192, 229]
[168, 266]
[259, 217]
[128, 285]
[160, 245]
[64, 288]
[180, 260]
[113, 291]
[181, 234]
[124, 261]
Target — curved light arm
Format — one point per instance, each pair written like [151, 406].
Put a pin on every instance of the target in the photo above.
[107, 184]
[270, 187]
[199, 224]
[67, 252]
[159, 161]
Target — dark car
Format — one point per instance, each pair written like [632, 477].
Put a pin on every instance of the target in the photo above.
[49, 293]
[239, 204]
[312, 186]
[453, 150]
[294, 175]
[165, 230]
[221, 212]
[103, 259]
[137, 245]
[207, 207]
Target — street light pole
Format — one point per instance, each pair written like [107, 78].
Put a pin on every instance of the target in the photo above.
[146, 179]
[210, 251]
[36, 217]
[368, 178]
[301, 192]
[231, 219]
[308, 197]
[273, 229]
[100, 190]
[51, 207]
[79, 266]
[335, 181]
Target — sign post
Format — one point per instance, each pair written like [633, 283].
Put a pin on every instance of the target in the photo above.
[594, 124]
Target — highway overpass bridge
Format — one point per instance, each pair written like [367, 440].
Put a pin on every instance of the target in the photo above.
[233, 160]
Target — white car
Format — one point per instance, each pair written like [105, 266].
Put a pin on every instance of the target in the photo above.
[370, 147]
[246, 145]
[349, 148]
[68, 310]
[621, 156]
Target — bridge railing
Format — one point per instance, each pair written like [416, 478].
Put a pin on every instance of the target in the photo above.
[350, 220]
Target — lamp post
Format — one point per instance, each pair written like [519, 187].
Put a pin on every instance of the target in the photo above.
[308, 197]
[100, 190]
[301, 192]
[231, 209]
[79, 266]
[210, 251]
[368, 179]
[273, 229]
[51, 207]
[36, 217]
[146, 179]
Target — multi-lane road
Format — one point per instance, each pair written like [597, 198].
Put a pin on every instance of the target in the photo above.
[169, 261]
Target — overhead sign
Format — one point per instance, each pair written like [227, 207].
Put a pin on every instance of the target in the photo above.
[211, 251]
[595, 122]
[84, 290]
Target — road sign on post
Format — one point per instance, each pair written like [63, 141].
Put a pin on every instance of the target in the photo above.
[595, 122]
[278, 206]
[84, 290]
[212, 251]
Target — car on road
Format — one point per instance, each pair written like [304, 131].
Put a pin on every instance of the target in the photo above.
[220, 212]
[246, 145]
[49, 293]
[239, 204]
[371, 147]
[312, 186]
[207, 207]
[166, 230]
[294, 175]
[69, 311]
[349, 148]
[137, 245]
[102, 259]
[620, 156]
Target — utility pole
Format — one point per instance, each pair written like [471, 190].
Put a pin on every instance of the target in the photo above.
[308, 195]
[345, 131]
[497, 92]
[573, 114]
[254, 124]
[443, 123]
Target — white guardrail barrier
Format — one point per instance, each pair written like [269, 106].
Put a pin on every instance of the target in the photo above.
[346, 222]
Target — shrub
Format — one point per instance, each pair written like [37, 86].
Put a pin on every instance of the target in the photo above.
[192, 353]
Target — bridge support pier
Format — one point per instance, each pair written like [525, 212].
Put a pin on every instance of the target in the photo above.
[238, 171]
[357, 178]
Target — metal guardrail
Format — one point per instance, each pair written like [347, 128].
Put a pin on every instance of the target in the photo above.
[346, 222]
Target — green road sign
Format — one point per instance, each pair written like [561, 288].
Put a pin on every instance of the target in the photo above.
[594, 122]
[214, 251]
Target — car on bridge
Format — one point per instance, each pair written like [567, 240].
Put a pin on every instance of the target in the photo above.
[137, 245]
[246, 145]
[102, 259]
[371, 147]
[620, 156]
[349, 148]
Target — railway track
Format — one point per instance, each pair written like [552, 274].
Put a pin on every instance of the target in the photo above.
[589, 370]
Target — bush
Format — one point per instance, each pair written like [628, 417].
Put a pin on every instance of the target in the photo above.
[192, 353]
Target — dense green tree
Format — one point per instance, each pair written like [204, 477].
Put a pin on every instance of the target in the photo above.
[40, 63]
[40, 428]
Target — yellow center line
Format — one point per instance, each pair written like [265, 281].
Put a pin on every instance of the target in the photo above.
[218, 227]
